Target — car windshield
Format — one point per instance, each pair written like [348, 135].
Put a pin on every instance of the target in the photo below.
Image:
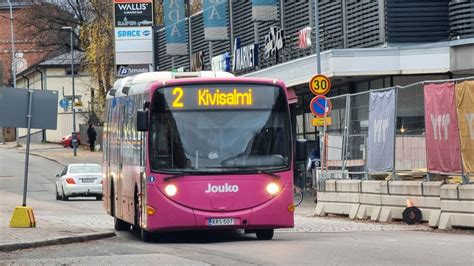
[206, 138]
[85, 169]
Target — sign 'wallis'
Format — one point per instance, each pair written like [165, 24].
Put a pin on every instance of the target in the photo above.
[133, 36]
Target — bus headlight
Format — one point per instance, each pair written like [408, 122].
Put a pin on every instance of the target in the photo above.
[273, 188]
[171, 190]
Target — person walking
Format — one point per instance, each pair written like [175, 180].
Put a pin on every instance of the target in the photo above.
[91, 135]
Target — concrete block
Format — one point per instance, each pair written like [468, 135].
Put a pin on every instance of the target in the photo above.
[448, 220]
[338, 197]
[412, 188]
[384, 187]
[338, 208]
[374, 186]
[457, 206]
[331, 185]
[372, 199]
[319, 209]
[449, 191]
[353, 212]
[445, 221]
[348, 185]
[466, 192]
[362, 213]
[462, 219]
[375, 214]
[420, 202]
[385, 215]
[434, 218]
[432, 188]
[389, 213]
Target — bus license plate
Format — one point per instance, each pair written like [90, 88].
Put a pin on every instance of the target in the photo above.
[220, 221]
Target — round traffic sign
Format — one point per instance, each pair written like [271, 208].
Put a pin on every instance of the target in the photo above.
[63, 103]
[320, 106]
[320, 85]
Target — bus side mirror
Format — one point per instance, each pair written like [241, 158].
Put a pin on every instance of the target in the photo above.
[142, 120]
[301, 150]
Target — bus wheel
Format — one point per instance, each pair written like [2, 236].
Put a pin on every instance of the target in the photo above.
[136, 225]
[266, 234]
[120, 225]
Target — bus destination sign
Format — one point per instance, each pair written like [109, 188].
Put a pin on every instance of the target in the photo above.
[220, 97]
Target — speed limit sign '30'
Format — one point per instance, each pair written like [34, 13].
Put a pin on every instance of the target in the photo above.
[320, 85]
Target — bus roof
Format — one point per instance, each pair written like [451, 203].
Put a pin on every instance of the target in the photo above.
[138, 83]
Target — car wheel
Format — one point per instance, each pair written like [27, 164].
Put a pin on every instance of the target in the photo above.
[57, 194]
[266, 234]
[64, 197]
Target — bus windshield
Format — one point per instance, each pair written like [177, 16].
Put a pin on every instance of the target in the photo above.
[219, 128]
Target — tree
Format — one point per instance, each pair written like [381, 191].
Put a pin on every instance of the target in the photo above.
[97, 39]
[43, 23]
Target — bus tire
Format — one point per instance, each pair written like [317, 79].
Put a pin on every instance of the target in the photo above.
[136, 220]
[265, 234]
[120, 225]
[112, 199]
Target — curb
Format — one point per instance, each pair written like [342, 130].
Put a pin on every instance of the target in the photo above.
[56, 241]
[45, 157]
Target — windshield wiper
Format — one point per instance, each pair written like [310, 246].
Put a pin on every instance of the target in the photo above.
[259, 171]
[181, 174]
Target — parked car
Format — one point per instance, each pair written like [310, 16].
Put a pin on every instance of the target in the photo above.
[66, 141]
[79, 180]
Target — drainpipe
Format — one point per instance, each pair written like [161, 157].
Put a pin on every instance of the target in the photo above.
[27, 80]
[43, 137]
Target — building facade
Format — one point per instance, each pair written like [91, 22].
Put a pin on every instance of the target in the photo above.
[55, 74]
[365, 45]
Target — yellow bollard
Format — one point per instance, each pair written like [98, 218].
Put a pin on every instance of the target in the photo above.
[23, 217]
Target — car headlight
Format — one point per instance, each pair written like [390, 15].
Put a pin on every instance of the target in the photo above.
[273, 188]
[171, 190]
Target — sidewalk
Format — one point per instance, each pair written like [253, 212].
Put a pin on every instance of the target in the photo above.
[58, 153]
[56, 222]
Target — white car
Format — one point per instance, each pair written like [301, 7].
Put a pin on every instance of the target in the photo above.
[79, 180]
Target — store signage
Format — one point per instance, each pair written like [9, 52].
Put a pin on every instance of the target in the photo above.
[133, 14]
[197, 61]
[273, 42]
[133, 33]
[221, 63]
[245, 57]
[129, 70]
[304, 38]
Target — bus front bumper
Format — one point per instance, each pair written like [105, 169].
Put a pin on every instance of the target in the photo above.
[170, 216]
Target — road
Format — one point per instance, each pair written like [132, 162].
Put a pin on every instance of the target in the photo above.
[325, 241]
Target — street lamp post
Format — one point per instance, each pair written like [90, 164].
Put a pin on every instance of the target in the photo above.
[74, 133]
[13, 61]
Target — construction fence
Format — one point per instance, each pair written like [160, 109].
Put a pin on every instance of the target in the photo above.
[422, 130]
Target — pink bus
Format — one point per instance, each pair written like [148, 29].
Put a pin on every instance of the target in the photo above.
[205, 150]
